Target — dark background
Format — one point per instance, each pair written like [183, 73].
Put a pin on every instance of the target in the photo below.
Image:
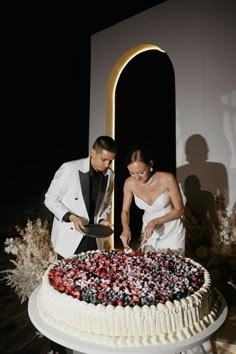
[46, 87]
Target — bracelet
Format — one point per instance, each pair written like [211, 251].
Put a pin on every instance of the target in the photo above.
[127, 247]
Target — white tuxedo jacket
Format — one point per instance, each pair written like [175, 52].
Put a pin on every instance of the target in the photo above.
[69, 192]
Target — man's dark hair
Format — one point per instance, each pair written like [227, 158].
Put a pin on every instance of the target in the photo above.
[105, 142]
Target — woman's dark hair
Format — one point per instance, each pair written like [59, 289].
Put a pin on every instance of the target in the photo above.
[138, 153]
[105, 142]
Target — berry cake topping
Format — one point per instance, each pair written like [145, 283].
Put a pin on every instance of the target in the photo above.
[119, 279]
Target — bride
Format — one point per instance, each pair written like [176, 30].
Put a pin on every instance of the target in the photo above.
[158, 194]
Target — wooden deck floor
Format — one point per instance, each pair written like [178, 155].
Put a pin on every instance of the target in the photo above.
[17, 333]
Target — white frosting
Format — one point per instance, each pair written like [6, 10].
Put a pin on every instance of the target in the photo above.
[129, 326]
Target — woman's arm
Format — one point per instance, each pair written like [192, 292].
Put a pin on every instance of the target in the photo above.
[177, 202]
[125, 213]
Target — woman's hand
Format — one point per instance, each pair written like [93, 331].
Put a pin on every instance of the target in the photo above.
[125, 237]
[149, 228]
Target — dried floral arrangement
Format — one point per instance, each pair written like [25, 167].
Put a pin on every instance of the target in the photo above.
[223, 259]
[213, 244]
[217, 234]
[226, 227]
[33, 253]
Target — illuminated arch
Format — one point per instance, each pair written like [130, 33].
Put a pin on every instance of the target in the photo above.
[110, 100]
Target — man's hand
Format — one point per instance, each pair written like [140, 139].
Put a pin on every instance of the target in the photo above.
[77, 223]
[106, 223]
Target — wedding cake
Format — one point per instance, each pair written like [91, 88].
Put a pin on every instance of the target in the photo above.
[118, 299]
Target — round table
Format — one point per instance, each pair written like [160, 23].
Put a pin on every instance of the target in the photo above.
[79, 346]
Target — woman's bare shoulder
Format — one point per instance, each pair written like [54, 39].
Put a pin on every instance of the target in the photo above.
[165, 174]
[166, 178]
[129, 184]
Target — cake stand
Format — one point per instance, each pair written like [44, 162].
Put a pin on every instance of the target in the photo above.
[80, 346]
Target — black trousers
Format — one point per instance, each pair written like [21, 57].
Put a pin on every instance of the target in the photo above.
[87, 244]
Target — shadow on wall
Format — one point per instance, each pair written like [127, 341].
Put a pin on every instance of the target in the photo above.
[200, 218]
[201, 181]
[212, 176]
[209, 230]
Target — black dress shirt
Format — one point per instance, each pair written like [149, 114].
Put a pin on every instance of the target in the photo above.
[96, 178]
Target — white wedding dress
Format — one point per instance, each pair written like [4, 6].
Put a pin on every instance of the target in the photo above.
[169, 235]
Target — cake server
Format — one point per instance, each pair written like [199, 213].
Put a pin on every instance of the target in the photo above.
[98, 230]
